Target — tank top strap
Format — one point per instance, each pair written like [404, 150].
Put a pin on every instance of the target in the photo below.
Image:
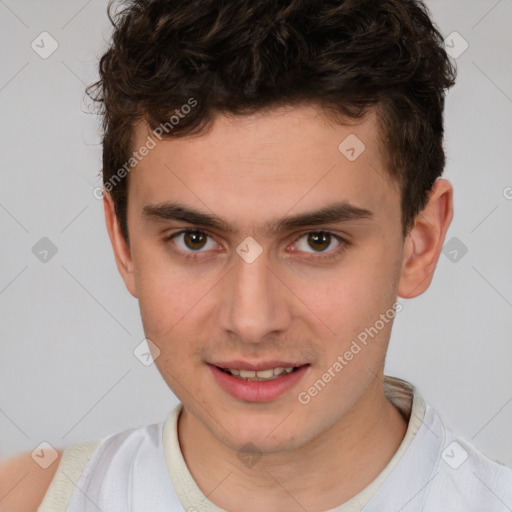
[73, 460]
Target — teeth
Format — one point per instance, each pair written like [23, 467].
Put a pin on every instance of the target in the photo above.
[265, 374]
[268, 374]
[247, 373]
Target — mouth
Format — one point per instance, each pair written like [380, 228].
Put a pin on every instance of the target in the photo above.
[258, 383]
[260, 375]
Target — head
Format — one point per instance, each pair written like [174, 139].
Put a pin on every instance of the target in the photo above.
[315, 129]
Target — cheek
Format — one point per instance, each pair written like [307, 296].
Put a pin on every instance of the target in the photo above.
[351, 296]
[174, 305]
[164, 294]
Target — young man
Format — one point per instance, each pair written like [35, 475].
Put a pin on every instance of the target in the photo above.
[271, 187]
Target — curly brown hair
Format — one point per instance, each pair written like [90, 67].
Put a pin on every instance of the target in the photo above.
[242, 56]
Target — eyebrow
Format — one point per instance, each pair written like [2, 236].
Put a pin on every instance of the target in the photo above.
[333, 213]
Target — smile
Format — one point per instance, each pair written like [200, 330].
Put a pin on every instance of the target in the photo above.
[258, 385]
[260, 375]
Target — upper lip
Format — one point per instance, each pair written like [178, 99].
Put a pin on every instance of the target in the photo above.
[263, 365]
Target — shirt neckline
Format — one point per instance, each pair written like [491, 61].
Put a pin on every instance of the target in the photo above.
[402, 394]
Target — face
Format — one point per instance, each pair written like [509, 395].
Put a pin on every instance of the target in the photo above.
[259, 278]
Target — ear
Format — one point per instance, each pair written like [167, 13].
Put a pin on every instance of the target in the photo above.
[424, 242]
[122, 252]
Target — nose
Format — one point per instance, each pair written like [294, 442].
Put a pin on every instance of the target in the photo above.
[255, 303]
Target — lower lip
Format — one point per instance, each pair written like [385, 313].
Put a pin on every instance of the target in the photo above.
[257, 391]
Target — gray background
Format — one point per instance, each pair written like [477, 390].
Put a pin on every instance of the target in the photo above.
[68, 327]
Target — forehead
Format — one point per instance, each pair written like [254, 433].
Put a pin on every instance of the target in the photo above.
[266, 164]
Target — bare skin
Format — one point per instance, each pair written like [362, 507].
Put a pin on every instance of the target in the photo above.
[288, 304]
[295, 302]
[23, 483]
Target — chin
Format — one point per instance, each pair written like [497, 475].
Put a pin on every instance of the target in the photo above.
[261, 446]
[260, 438]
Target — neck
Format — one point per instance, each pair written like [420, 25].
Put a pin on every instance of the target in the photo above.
[346, 458]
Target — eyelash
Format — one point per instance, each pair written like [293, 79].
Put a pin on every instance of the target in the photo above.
[319, 257]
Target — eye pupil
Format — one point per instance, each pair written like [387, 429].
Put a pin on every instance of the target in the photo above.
[194, 239]
[321, 238]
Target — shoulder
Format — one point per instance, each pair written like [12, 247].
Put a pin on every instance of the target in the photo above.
[470, 478]
[23, 482]
[461, 457]
[108, 462]
[25, 486]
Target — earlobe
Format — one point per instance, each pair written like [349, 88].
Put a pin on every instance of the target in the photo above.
[122, 252]
[425, 241]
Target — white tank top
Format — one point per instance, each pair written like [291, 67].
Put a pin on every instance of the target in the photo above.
[143, 470]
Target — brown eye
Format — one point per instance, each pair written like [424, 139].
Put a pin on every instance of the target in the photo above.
[194, 240]
[321, 245]
[319, 240]
[193, 244]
